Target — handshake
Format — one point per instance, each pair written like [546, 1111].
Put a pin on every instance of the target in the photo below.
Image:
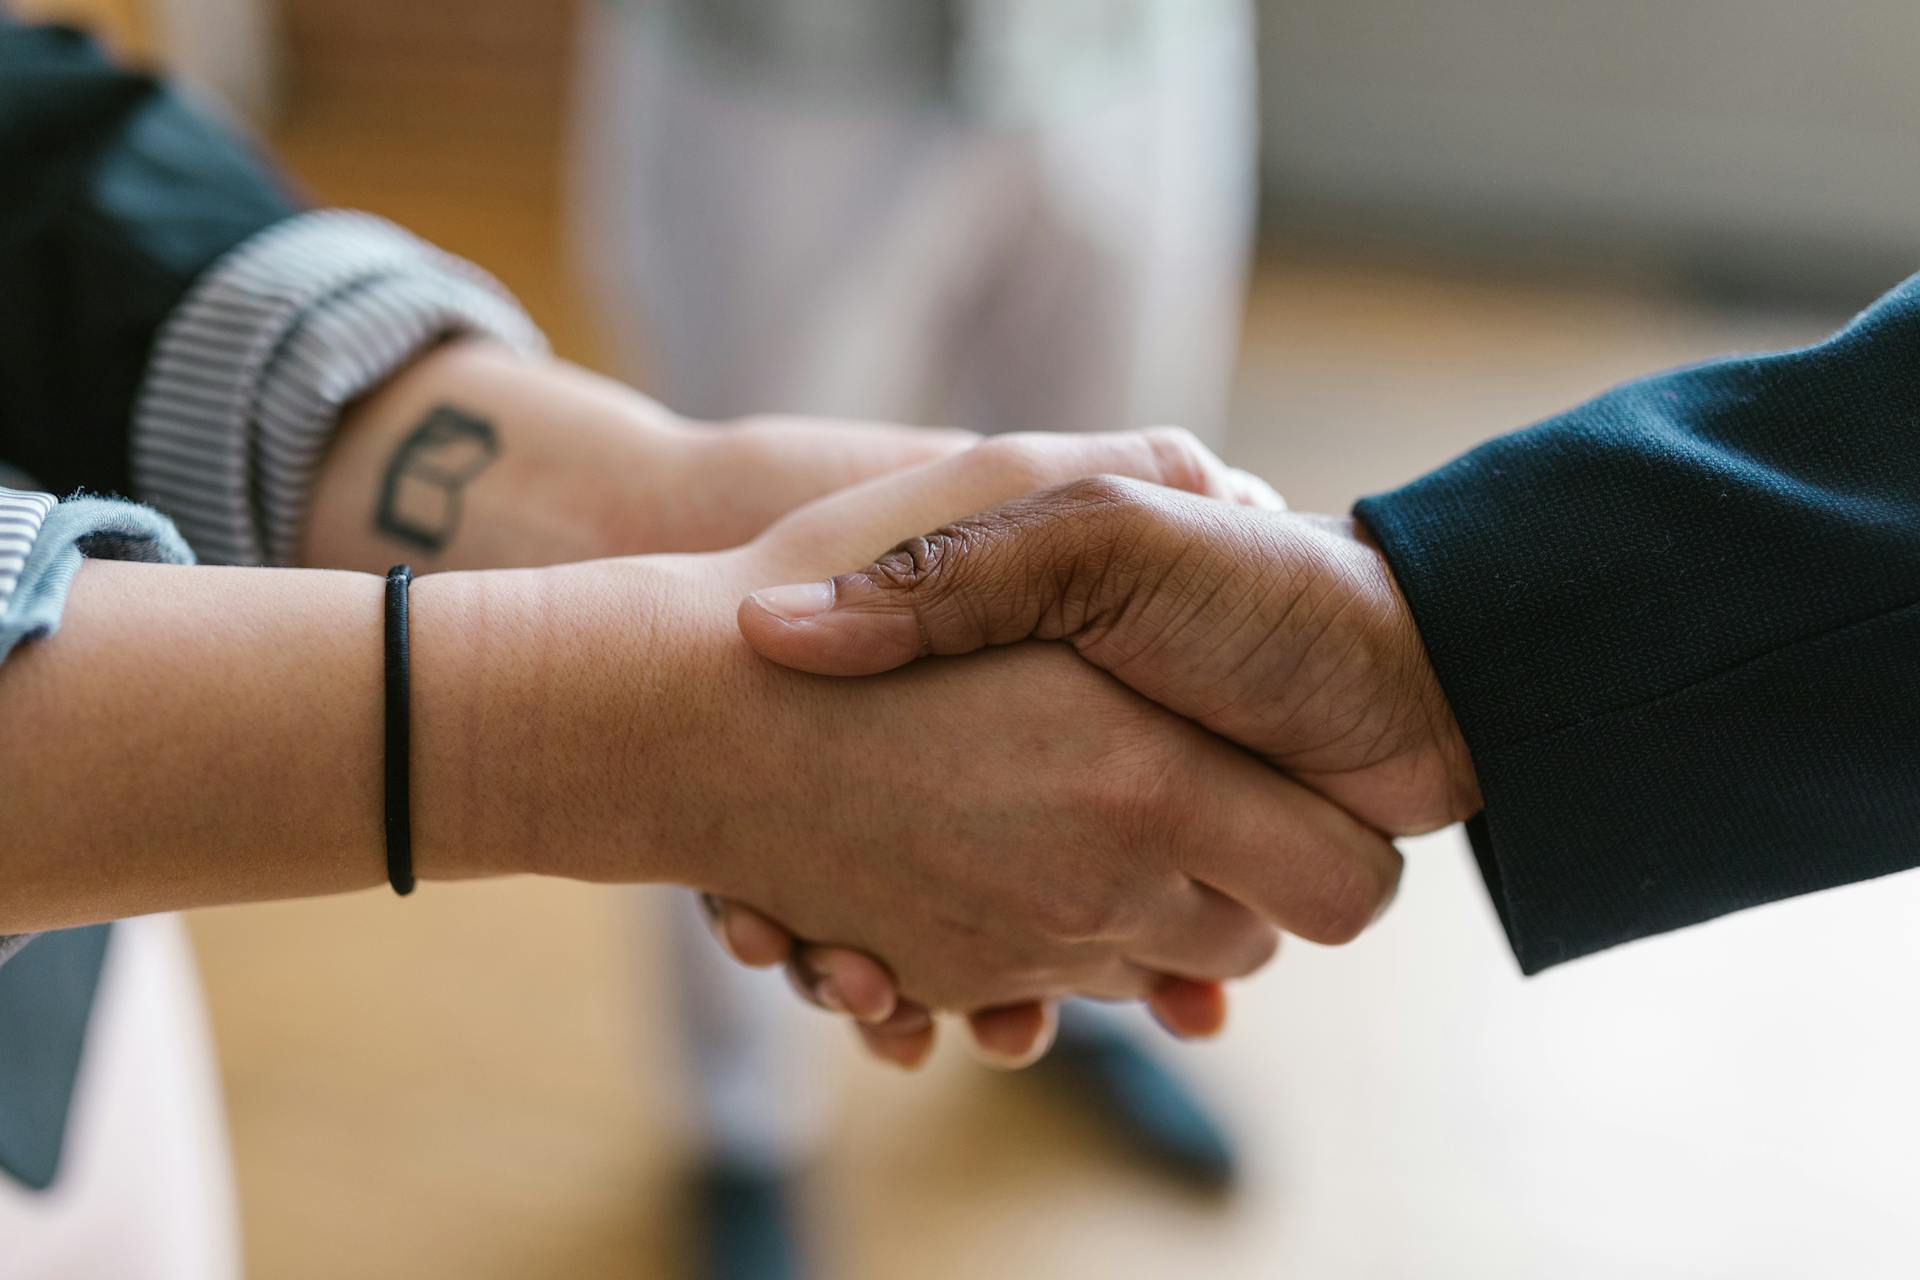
[1194, 721]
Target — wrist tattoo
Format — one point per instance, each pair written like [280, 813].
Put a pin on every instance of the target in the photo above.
[420, 492]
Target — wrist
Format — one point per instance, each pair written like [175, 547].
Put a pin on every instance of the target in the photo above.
[1449, 746]
[466, 631]
[556, 716]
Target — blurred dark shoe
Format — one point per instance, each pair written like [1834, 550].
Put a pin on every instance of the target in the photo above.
[1139, 1099]
[744, 1226]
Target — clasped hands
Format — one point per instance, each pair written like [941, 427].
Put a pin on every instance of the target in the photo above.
[1208, 718]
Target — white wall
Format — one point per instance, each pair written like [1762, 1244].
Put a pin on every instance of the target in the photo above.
[1770, 142]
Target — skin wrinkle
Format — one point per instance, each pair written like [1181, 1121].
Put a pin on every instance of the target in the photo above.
[1249, 623]
[1386, 744]
[1372, 756]
[1144, 581]
[910, 565]
[552, 715]
[1084, 581]
[1247, 607]
[976, 613]
[1162, 638]
[1305, 604]
[1341, 665]
[469, 623]
[1059, 588]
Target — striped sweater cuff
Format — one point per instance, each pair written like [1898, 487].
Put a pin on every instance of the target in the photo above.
[21, 515]
[250, 372]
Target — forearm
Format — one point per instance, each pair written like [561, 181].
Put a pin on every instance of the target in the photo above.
[202, 736]
[546, 463]
[214, 735]
[475, 457]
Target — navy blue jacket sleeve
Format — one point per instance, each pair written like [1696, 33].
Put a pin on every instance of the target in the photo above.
[1680, 628]
[115, 193]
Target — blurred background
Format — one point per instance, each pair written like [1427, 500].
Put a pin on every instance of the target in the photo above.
[1471, 215]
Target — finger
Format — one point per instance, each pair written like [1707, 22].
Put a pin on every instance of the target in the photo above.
[1212, 937]
[1181, 461]
[1288, 854]
[1189, 1010]
[1014, 1036]
[817, 974]
[904, 1040]
[849, 982]
[1189, 465]
[804, 982]
[747, 936]
[878, 513]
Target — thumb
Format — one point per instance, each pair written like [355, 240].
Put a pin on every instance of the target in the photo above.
[844, 626]
[1005, 575]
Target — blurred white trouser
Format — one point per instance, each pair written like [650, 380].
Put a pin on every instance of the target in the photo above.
[145, 1190]
[888, 256]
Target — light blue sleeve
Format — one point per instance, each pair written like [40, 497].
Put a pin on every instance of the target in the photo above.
[68, 533]
[42, 543]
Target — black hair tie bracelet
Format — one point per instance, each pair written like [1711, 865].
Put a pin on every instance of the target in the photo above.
[399, 736]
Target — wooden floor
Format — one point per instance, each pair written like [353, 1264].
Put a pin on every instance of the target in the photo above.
[479, 1082]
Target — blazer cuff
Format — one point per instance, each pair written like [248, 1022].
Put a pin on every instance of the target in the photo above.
[250, 372]
[1738, 788]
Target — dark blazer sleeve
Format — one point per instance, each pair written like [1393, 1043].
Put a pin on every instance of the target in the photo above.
[115, 194]
[1680, 629]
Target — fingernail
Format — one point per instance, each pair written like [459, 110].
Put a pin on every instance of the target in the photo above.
[827, 992]
[877, 1016]
[724, 934]
[1001, 1061]
[1153, 1011]
[1176, 1031]
[899, 1058]
[797, 601]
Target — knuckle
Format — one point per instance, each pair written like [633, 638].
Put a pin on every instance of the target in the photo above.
[1103, 491]
[1019, 461]
[1255, 952]
[1180, 459]
[924, 561]
[1072, 917]
[1091, 912]
[948, 579]
[1349, 901]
